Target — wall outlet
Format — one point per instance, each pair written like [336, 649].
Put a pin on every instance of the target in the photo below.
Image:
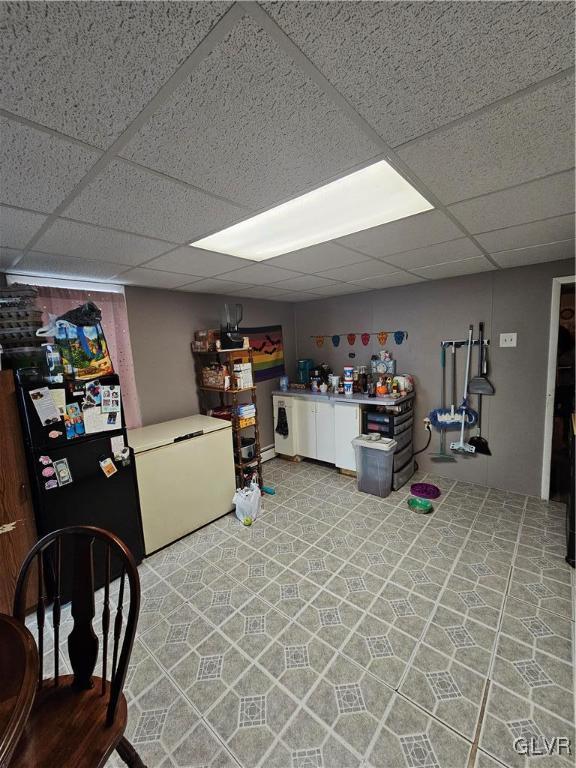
[508, 339]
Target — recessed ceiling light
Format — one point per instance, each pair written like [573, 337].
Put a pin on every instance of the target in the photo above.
[363, 199]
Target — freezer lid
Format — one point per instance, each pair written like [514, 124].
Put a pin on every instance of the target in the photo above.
[165, 433]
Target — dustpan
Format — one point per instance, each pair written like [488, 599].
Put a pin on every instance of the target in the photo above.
[481, 384]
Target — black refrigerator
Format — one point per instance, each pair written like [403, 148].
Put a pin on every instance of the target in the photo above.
[87, 494]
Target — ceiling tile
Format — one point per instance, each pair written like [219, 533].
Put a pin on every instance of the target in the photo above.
[454, 250]
[88, 69]
[304, 283]
[261, 292]
[38, 170]
[517, 141]
[553, 196]
[17, 227]
[138, 201]
[151, 278]
[69, 238]
[403, 235]
[298, 297]
[259, 274]
[456, 268]
[535, 254]
[318, 257]
[8, 257]
[411, 67]
[195, 261]
[50, 265]
[358, 271]
[338, 289]
[212, 285]
[387, 281]
[269, 131]
[535, 233]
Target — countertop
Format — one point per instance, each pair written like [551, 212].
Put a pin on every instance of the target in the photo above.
[355, 399]
[156, 435]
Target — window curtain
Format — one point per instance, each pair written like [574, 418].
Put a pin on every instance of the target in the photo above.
[56, 301]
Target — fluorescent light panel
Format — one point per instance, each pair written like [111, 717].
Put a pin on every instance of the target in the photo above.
[363, 199]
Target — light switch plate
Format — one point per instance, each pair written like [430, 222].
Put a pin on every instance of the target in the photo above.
[508, 339]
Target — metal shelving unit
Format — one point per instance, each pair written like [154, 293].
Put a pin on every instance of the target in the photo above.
[231, 397]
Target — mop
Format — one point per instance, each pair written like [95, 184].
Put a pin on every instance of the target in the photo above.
[460, 446]
[442, 455]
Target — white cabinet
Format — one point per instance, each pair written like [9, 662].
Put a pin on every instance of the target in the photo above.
[325, 432]
[305, 426]
[285, 444]
[314, 427]
[346, 428]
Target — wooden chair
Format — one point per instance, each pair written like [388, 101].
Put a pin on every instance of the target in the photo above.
[79, 720]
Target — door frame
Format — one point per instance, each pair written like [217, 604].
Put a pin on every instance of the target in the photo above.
[557, 283]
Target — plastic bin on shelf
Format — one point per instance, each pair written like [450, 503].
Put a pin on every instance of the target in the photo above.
[374, 464]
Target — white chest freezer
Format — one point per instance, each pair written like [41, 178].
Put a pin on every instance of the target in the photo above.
[186, 478]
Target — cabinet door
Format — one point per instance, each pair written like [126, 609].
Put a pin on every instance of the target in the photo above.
[305, 419]
[347, 427]
[325, 432]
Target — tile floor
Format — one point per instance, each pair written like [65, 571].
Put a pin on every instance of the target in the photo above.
[344, 631]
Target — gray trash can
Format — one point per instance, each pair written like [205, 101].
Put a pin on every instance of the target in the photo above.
[374, 464]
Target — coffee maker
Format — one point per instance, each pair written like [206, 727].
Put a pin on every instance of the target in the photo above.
[230, 335]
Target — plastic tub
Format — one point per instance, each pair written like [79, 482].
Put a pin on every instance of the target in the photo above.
[374, 463]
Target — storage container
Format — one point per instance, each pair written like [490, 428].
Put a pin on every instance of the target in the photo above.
[401, 458]
[401, 477]
[374, 464]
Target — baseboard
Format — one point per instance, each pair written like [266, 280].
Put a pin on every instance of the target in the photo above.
[267, 453]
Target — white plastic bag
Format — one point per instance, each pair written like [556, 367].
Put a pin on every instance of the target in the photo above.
[247, 501]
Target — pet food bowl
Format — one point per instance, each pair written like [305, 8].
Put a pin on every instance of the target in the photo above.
[420, 506]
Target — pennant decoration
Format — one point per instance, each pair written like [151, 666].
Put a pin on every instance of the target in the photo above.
[399, 336]
[319, 341]
[382, 338]
[351, 339]
[336, 340]
[365, 339]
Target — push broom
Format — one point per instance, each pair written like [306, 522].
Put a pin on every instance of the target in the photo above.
[459, 446]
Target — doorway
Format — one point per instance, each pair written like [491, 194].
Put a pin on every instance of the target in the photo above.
[563, 399]
[560, 395]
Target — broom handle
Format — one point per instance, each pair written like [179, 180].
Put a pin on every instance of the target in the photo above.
[470, 330]
[466, 385]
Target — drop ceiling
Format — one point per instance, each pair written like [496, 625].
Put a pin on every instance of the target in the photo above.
[128, 130]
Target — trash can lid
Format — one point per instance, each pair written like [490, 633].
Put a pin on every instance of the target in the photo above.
[367, 441]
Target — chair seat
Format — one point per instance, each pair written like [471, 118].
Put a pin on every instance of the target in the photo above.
[67, 728]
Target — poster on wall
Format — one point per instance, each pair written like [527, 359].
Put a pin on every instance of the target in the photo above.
[268, 347]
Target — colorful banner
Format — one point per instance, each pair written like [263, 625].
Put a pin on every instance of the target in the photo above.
[268, 351]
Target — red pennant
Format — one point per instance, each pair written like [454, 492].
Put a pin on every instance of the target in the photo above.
[351, 339]
[365, 339]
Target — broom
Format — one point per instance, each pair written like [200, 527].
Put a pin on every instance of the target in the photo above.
[459, 446]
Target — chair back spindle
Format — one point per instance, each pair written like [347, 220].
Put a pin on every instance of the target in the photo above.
[40, 617]
[57, 608]
[82, 641]
[105, 619]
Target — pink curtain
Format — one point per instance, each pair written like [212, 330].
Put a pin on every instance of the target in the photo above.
[56, 301]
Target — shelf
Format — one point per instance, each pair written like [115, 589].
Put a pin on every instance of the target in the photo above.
[221, 351]
[225, 391]
[241, 465]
